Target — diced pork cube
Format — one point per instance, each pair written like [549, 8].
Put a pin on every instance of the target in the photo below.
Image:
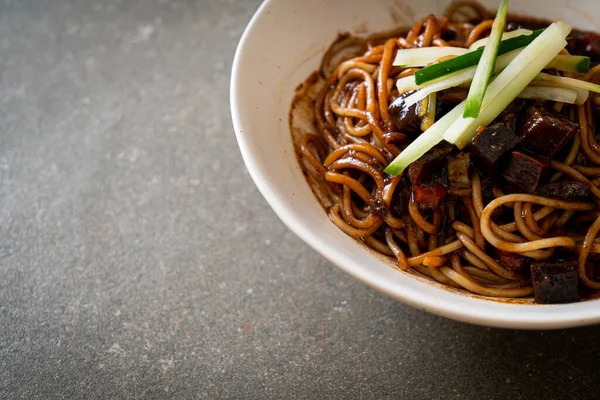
[545, 132]
[526, 172]
[555, 282]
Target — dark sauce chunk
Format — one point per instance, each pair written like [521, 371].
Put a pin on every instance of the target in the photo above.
[526, 172]
[569, 191]
[592, 267]
[428, 176]
[459, 180]
[585, 44]
[430, 195]
[526, 23]
[491, 146]
[430, 164]
[545, 132]
[405, 118]
[555, 282]
[513, 114]
[446, 100]
[511, 261]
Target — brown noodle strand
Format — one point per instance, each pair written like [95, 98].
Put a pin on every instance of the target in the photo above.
[343, 44]
[349, 229]
[382, 88]
[475, 261]
[396, 250]
[349, 215]
[477, 194]
[413, 244]
[418, 219]
[531, 222]
[457, 266]
[586, 136]
[478, 32]
[357, 147]
[311, 140]
[421, 237]
[573, 173]
[440, 251]
[353, 184]
[401, 235]
[588, 171]
[570, 157]
[521, 225]
[489, 261]
[388, 193]
[378, 246]
[422, 272]
[479, 240]
[584, 252]
[441, 278]
[537, 216]
[504, 232]
[478, 273]
[564, 241]
[437, 222]
[483, 290]
[473, 6]
[564, 218]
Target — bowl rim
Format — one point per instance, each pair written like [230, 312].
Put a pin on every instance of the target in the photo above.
[475, 315]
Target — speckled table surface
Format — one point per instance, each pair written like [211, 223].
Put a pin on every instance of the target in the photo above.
[138, 260]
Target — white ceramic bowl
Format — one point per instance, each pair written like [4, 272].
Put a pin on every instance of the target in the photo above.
[281, 46]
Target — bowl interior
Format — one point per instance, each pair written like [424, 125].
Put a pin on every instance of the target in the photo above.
[282, 45]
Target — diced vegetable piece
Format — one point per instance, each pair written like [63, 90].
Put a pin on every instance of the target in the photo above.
[422, 56]
[546, 132]
[555, 282]
[564, 62]
[568, 191]
[459, 178]
[568, 82]
[471, 59]
[405, 117]
[424, 169]
[526, 172]
[428, 177]
[561, 95]
[506, 36]
[511, 82]
[511, 261]
[429, 196]
[490, 148]
[487, 64]
[424, 142]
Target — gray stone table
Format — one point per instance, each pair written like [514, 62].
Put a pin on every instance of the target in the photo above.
[138, 260]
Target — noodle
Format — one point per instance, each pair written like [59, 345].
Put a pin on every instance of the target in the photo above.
[456, 242]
